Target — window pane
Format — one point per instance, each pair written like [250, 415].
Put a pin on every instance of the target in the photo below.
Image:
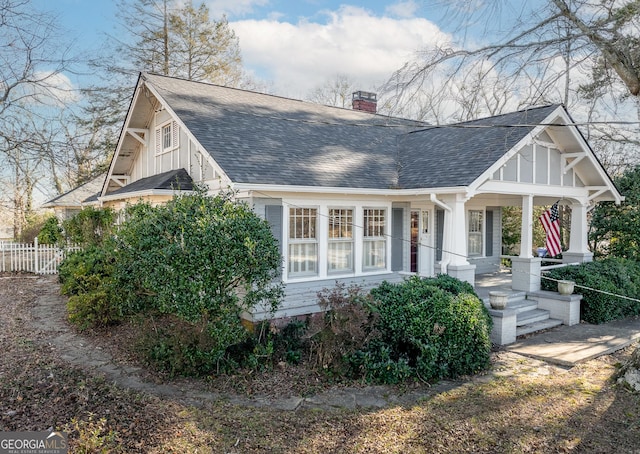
[374, 254]
[374, 222]
[302, 223]
[474, 244]
[303, 258]
[303, 245]
[340, 256]
[166, 137]
[340, 223]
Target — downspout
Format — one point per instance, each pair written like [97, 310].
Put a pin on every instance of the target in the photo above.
[446, 258]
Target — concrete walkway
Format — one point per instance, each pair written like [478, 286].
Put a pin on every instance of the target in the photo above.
[563, 346]
[571, 345]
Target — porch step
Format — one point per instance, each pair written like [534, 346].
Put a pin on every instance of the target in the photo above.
[514, 300]
[537, 326]
[522, 305]
[531, 316]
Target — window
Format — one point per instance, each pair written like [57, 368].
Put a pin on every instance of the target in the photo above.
[303, 241]
[375, 242]
[167, 137]
[340, 255]
[474, 244]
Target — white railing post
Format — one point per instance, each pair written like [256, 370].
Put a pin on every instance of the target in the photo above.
[35, 254]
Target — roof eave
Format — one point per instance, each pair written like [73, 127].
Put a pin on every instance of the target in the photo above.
[252, 187]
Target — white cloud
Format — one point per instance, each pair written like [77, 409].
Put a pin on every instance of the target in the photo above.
[299, 57]
[405, 9]
[53, 89]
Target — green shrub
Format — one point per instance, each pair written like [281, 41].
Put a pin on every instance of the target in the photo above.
[182, 348]
[51, 232]
[607, 277]
[90, 227]
[85, 276]
[203, 260]
[431, 328]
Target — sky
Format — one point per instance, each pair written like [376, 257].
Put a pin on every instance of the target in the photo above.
[295, 45]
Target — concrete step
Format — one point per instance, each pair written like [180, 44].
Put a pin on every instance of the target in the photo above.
[531, 316]
[522, 305]
[537, 326]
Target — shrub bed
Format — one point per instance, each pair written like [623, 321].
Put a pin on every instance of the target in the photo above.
[616, 276]
[430, 328]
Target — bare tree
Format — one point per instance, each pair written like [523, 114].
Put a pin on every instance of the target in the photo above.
[34, 88]
[582, 53]
[335, 92]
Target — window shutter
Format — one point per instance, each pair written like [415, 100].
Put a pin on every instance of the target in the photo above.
[273, 215]
[439, 233]
[176, 134]
[488, 248]
[158, 140]
[397, 239]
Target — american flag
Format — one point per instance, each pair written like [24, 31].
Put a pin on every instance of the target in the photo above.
[551, 224]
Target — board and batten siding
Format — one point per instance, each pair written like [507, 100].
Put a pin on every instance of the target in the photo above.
[538, 164]
[151, 160]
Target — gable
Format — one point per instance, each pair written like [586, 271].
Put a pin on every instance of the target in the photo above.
[267, 140]
[554, 160]
[155, 142]
[457, 155]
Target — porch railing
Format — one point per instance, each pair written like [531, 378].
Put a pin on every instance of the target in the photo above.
[32, 257]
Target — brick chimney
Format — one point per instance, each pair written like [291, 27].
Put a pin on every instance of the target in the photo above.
[365, 101]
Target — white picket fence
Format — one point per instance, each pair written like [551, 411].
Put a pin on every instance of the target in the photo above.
[32, 257]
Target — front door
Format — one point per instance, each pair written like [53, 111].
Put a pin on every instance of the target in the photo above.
[422, 250]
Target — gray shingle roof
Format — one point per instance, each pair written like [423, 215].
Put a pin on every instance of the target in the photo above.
[79, 195]
[172, 180]
[455, 155]
[265, 139]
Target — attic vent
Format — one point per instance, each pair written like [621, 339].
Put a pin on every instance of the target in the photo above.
[365, 101]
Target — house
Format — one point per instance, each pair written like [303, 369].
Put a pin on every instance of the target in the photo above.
[67, 205]
[354, 196]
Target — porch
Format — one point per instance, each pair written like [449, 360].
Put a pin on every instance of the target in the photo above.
[526, 311]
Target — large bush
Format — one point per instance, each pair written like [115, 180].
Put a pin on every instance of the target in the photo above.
[598, 283]
[202, 259]
[85, 276]
[50, 233]
[431, 328]
[197, 261]
[91, 226]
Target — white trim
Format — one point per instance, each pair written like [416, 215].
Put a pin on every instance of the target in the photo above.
[135, 133]
[257, 188]
[139, 194]
[512, 188]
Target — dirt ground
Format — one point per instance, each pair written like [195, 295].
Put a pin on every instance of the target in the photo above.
[48, 381]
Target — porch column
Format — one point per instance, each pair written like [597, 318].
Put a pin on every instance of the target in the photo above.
[455, 236]
[578, 241]
[526, 267]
